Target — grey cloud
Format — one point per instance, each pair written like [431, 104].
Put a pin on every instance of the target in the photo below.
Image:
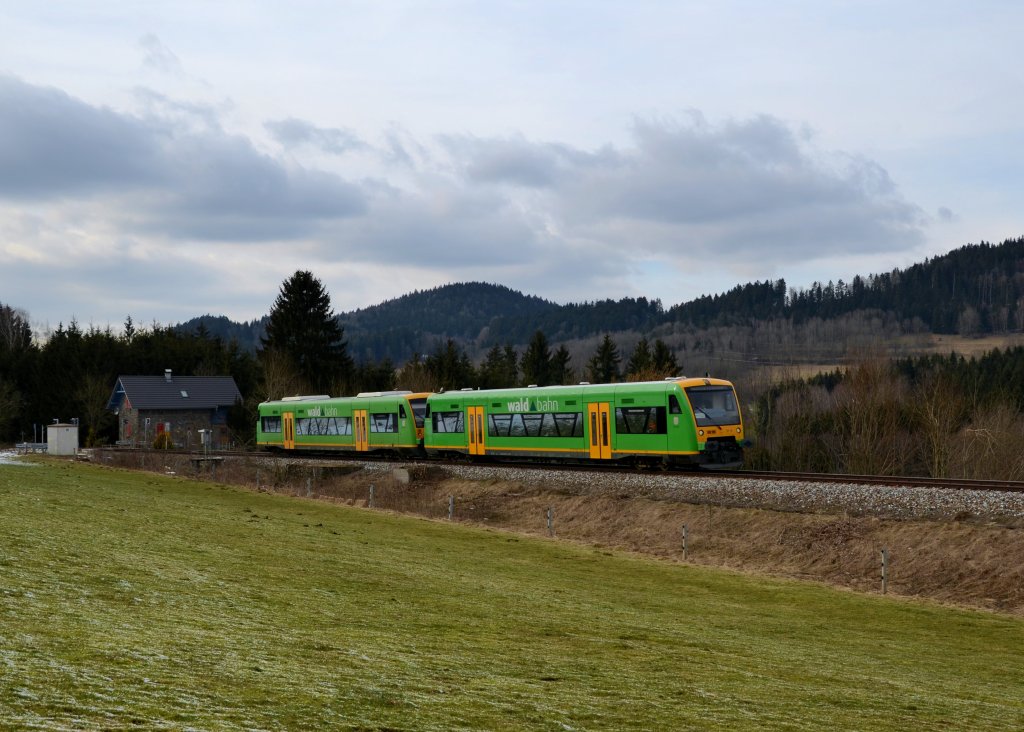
[517, 161]
[54, 145]
[449, 228]
[163, 115]
[294, 132]
[512, 160]
[225, 190]
[396, 152]
[178, 178]
[158, 56]
[696, 189]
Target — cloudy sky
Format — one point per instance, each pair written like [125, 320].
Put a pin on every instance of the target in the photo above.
[168, 159]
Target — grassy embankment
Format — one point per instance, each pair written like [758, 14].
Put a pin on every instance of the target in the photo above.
[129, 600]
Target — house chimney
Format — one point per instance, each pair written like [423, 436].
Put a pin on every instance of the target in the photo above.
[167, 375]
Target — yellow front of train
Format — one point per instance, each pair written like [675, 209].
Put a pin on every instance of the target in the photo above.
[717, 421]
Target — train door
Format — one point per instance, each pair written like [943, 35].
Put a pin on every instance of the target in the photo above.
[600, 432]
[288, 427]
[359, 429]
[475, 425]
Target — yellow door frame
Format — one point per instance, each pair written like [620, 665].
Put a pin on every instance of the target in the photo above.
[475, 427]
[288, 428]
[599, 417]
[360, 431]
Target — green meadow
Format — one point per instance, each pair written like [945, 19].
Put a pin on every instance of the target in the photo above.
[135, 601]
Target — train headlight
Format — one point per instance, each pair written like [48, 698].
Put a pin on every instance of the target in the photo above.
[738, 430]
[700, 432]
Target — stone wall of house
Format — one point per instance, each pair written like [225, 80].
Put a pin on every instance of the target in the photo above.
[184, 427]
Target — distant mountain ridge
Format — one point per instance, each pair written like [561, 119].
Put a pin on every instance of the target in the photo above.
[978, 288]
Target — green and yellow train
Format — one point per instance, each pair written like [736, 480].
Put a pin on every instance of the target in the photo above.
[680, 422]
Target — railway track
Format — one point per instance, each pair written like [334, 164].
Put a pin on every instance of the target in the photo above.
[1007, 486]
[879, 480]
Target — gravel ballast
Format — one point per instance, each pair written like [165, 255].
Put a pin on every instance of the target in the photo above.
[902, 502]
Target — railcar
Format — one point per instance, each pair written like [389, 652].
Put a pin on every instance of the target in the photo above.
[380, 421]
[682, 422]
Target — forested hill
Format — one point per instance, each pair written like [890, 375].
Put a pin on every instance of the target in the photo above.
[247, 335]
[415, 322]
[976, 289]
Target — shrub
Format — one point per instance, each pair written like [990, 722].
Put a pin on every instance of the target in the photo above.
[163, 441]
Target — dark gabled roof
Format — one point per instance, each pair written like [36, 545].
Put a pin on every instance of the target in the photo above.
[180, 392]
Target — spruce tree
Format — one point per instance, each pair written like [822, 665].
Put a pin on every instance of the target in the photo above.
[603, 366]
[561, 372]
[450, 367]
[536, 363]
[640, 362]
[303, 331]
[663, 360]
[499, 369]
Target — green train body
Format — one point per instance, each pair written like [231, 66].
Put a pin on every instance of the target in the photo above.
[373, 421]
[686, 422]
[693, 422]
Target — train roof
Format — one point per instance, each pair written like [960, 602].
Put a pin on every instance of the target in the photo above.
[584, 386]
[364, 395]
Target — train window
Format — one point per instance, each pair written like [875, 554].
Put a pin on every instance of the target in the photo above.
[532, 423]
[518, 428]
[420, 410]
[445, 422]
[713, 405]
[569, 424]
[323, 426]
[401, 411]
[498, 425]
[548, 427]
[640, 421]
[384, 422]
[270, 424]
[673, 405]
[538, 424]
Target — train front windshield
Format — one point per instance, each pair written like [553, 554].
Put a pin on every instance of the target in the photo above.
[713, 405]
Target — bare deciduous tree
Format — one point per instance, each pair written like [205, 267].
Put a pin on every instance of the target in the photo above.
[940, 410]
[279, 377]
